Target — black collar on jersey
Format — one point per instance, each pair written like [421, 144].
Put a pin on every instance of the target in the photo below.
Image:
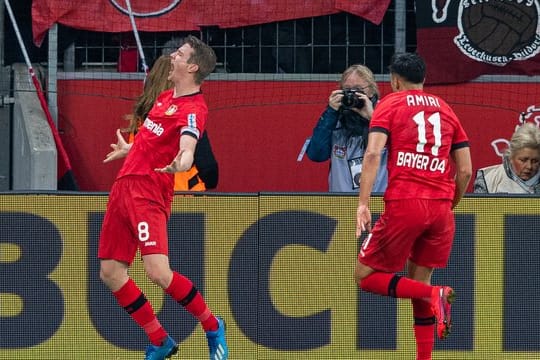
[192, 94]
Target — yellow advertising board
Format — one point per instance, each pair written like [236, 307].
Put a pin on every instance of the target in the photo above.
[277, 267]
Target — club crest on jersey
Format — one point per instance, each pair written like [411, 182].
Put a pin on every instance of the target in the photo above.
[171, 110]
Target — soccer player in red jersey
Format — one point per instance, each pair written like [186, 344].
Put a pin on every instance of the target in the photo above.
[139, 203]
[416, 229]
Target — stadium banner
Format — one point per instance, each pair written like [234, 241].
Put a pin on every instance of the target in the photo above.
[278, 267]
[461, 40]
[185, 15]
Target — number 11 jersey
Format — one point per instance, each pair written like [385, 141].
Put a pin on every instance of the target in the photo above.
[422, 132]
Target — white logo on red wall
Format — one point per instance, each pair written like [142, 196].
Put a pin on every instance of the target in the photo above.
[498, 31]
[440, 10]
[146, 8]
[532, 114]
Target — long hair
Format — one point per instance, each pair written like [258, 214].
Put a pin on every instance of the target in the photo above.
[352, 122]
[363, 72]
[156, 82]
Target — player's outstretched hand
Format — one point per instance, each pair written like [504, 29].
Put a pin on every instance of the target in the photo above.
[182, 162]
[120, 149]
[363, 220]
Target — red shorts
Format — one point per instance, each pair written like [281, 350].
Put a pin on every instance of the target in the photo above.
[134, 220]
[421, 230]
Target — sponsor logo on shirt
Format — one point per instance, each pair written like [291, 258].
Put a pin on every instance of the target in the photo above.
[153, 127]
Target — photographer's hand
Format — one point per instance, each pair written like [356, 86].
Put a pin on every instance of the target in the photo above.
[367, 110]
[334, 100]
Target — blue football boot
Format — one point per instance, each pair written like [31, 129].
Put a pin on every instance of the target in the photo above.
[165, 351]
[217, 344]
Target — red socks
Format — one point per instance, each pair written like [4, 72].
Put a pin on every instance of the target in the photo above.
[387, 284]
[181, 289]
[186, 294]
[134, 302]
[424, 327]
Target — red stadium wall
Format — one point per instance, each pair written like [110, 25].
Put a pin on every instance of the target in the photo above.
[257, 128]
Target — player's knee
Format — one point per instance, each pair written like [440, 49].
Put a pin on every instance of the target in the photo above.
[361, 271]
[159, 276]
[153, 275]
[112, 277]
[104, 275]
[358, 276]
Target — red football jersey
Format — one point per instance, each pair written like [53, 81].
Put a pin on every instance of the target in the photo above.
[158, 139]
[422, 131]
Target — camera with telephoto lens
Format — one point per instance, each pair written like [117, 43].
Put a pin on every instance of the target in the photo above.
[351, 100]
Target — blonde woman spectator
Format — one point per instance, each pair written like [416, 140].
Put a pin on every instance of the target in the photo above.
[519, 172]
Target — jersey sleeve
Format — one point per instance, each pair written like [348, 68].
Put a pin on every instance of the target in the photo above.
[460, 138]
[194, 122]
[382, 115]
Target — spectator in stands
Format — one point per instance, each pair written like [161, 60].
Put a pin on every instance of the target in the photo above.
[519, 172]
[204, 173]
[342, 131]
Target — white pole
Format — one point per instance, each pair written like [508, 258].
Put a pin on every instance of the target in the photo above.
[52, 76]
[19, 37]
[137, 39]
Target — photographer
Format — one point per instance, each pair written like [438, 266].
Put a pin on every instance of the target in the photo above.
[342, 131]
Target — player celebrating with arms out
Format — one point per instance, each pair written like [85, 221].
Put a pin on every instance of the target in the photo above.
[417, 226]
[140, 203]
